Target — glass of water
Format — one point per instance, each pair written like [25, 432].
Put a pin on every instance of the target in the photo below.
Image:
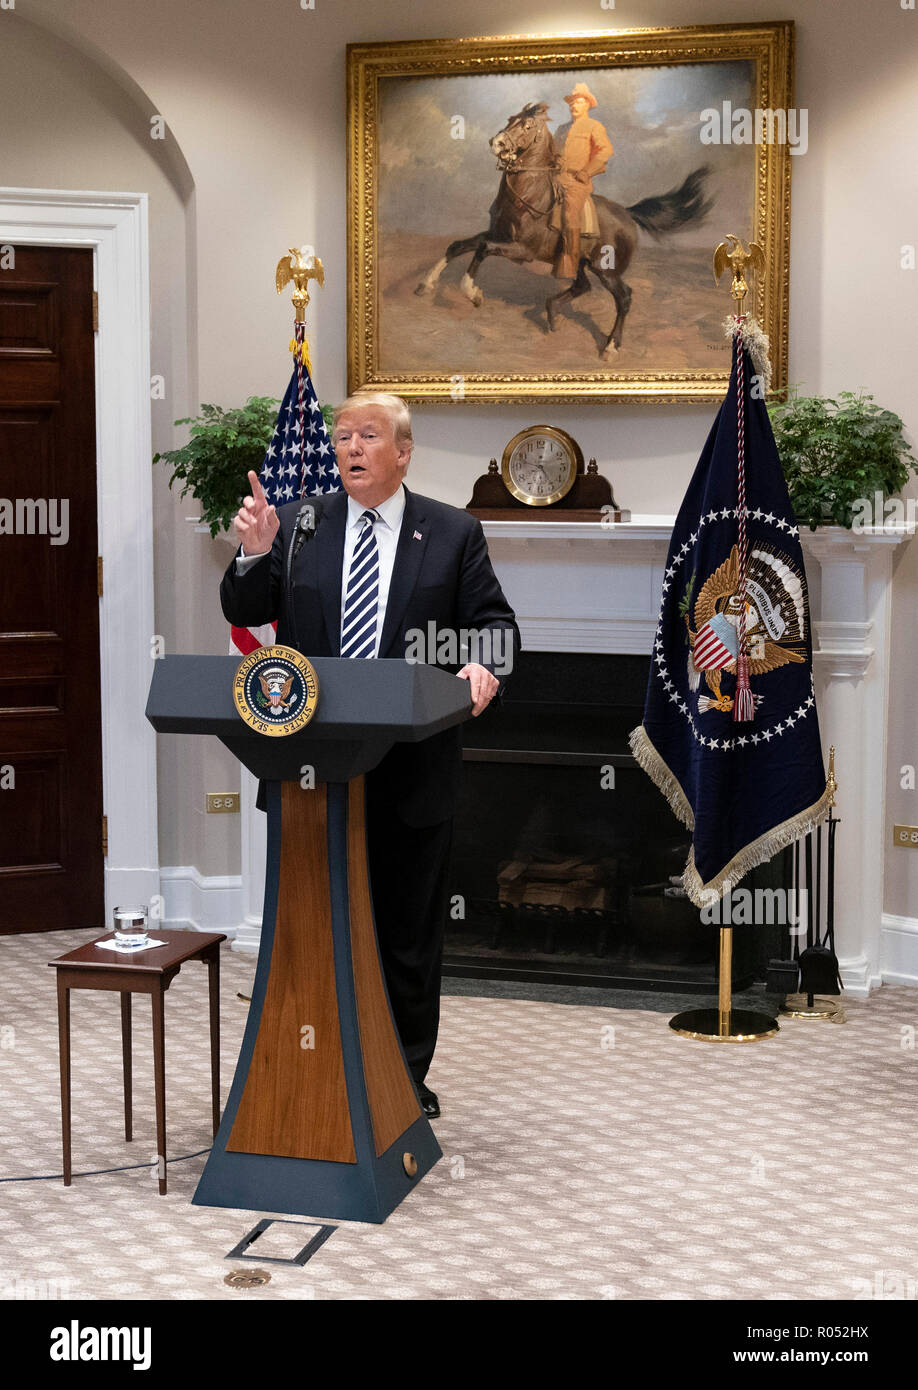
[131, 926]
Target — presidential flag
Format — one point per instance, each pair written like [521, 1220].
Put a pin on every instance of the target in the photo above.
[730, 734]
[299, 462]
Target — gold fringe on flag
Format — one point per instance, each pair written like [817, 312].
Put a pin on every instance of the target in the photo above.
[757, 852]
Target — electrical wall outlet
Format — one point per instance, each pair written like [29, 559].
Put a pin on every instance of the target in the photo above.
[222, 801]
[905, 836]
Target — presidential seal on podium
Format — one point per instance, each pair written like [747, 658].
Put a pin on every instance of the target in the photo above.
[276, 690]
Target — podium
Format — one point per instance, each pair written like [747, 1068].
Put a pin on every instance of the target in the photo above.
[323, 1118]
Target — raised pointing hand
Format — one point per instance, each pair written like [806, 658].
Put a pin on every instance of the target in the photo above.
[255, 522]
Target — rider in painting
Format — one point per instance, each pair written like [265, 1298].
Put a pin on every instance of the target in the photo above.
[583, 149]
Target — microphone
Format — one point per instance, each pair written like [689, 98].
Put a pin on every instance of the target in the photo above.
[304, 527]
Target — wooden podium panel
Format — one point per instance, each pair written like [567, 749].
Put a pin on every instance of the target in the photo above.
[334, 1130]
[393, 1100]
[294, 1103]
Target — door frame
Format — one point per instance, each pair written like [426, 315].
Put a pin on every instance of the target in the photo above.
[115, 227]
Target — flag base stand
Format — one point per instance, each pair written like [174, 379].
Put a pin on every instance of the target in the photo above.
[736, 1026]
[725, 1024]
[806, 1006]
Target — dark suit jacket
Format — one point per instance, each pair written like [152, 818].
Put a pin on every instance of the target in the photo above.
[445, 577]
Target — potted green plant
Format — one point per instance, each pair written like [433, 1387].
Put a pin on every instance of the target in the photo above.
[224, 446]
[838, 452]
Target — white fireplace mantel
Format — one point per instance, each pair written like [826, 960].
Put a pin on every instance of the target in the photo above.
[595, 587]
[582, 586]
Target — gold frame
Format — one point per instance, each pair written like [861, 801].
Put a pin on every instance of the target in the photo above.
[769, 44]
[567, 441]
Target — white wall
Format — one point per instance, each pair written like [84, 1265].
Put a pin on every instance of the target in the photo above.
[254, 98]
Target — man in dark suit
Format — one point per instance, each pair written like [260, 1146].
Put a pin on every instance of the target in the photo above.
[381, 572]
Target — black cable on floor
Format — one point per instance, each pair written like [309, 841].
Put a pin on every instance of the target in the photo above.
[95, 1172]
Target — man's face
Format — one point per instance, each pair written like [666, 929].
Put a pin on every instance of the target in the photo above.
[370, 462]
[579, 107]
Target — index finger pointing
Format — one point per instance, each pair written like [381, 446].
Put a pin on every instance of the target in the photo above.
[258, 491]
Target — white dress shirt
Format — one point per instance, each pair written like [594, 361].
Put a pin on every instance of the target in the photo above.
[386, 531]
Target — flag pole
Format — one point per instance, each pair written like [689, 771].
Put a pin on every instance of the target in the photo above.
[726, 1024]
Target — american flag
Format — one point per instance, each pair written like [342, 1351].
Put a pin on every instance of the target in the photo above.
[299, 462]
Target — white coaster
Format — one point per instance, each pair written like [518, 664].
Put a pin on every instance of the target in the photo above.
[128, 950]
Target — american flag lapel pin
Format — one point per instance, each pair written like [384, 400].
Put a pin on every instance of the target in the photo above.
[417, 536]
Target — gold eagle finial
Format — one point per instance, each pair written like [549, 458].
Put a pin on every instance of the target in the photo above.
[737, 258]
[299, 265]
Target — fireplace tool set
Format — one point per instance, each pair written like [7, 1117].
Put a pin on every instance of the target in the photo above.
[813, 970]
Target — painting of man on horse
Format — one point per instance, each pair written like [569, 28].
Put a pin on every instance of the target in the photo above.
[535, 178]
[546, 229]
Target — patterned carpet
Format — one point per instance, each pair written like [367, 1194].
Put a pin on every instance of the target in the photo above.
[589, 1153]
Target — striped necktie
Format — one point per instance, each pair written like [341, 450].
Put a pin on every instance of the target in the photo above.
[358, 625]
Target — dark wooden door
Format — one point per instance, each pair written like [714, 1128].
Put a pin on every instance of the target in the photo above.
[51, 859]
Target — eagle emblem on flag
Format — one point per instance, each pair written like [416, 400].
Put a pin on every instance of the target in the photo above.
[776, 625]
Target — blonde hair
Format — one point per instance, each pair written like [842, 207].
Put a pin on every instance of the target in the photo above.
[394, 406]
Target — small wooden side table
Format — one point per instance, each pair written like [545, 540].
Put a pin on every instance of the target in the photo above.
[142, 972]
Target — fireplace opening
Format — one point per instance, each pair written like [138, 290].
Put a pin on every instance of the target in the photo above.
[566, 860]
